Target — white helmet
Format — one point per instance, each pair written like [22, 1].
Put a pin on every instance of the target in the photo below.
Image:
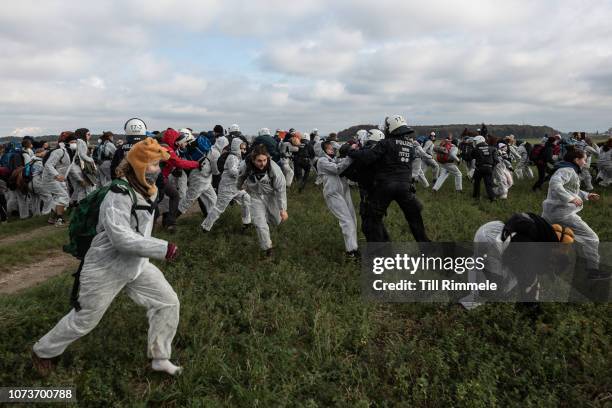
[478, 140]
[306, 136]
[264, 132]
[375, 135]
[135, 127]
[234, 128]
[314, 132]
[394, 122]
[185, 137]
[186, 132]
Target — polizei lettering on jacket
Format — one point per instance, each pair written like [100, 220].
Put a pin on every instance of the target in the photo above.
[406, 152]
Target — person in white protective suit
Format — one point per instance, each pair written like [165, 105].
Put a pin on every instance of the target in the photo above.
[228, 190]
[22, 198]
[604, 164]
[565, 200]
[591, 150]
[200, 180]
[40, 199]
[523, 162]
[492, 241]
[119, 258]
[417, 164]
[263, 180]
[337, 194]
[287, 149]
[447, 157]
[502, 177]
[55, 172]
[83, 173]
[426, 163]
[106, 152]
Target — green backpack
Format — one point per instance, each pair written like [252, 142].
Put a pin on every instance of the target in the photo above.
[84, 219]
[82, 229]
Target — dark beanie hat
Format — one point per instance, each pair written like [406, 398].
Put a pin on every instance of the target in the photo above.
[218, 129]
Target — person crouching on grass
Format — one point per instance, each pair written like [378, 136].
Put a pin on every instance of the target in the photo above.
[265, 183]
[565, 200]
[119, 258]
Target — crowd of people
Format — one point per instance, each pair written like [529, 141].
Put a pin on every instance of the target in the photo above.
[163, 174]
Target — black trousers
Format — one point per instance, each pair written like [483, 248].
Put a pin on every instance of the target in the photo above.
[364, 211]
[544, 175]
[485, 174]
[3, 209]
[302, 171]
[382, 195]
[169, 218]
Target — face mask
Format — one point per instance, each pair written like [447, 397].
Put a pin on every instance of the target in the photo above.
[151, 177]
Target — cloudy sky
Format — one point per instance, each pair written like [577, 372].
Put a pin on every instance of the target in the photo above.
[278, 64]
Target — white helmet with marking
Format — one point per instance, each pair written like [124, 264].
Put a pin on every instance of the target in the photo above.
[135, 127]
[375, 135]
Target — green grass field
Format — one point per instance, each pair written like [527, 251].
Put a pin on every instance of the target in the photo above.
[295, 331]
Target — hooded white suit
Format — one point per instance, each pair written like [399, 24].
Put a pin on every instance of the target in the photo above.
[564, 186]
[337, 195]
[228, 190]
[119, 258]
[268, 198]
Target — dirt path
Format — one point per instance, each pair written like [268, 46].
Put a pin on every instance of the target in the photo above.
[30, 275]
[16, 279]
[39, 232]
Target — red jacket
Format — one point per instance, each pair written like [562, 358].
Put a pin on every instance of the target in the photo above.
[169, 139]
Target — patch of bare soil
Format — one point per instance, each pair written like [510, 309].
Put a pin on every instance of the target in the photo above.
[26, 276]
[26, 236]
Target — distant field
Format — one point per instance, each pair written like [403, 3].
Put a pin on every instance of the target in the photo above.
[296, 332]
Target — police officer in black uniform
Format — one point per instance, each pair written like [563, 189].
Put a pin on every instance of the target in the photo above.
[391, 162]
[486, 158]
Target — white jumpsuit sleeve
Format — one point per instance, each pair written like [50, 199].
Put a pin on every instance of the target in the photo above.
[557, 181]
[332, 167]
[52, 161]
[280, 187]
[115, 216]
[232, 165]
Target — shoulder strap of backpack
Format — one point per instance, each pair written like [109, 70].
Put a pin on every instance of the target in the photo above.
[121, 186]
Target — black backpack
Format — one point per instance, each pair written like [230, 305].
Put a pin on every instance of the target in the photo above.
[221, 161]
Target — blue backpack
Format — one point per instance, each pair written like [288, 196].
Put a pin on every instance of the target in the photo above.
[12, 158]
[198, 149]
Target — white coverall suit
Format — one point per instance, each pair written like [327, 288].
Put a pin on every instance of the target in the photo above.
[23, 200]
[77, 175]
[228, 190]
[57, 165]
[450, 168]
[564, 186]
[119, 258]
[200, 186]
[337, 194]
[286, 151]
[417, 165]
[604, 166]
[215, 153]
[268, 194]
[107, 151]
[37, 192]
[430, 162]
[523, 163]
